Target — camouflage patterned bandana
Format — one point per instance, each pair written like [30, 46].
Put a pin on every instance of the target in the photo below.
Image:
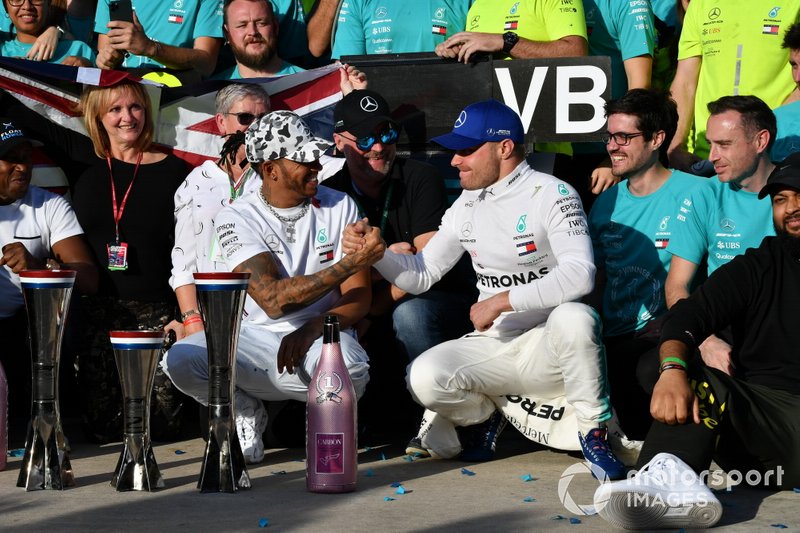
[283, 134]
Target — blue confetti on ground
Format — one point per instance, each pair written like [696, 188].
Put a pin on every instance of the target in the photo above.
[779, 526]
[369, 473]
[528, 477]
[395, 484]
[401, 490]
[263, 522]
[529, 499]
[383, 457]
[279, 473]
[574, 520]
[179, 452]
[556, 517]
[408, 458]
[388, 499]
[467, 472]
[19, 452]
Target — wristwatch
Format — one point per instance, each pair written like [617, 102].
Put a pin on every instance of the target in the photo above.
[509, 40]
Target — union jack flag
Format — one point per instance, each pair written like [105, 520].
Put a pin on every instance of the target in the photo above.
[183, 116]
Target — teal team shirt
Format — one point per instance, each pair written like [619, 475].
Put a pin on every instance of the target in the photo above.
[787, 141]
[292, 35]
[233, 73]
[720, 221]
[630, 235]
[173, 22]
[14, 48]
[380, 27]
[620, 30]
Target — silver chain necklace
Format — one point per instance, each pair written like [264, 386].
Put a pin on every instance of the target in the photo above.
[290, 230]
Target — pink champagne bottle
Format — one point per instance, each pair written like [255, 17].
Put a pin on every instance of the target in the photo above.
[331, 446]
[3, 418]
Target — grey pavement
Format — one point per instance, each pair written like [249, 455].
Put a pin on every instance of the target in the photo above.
[439, 496]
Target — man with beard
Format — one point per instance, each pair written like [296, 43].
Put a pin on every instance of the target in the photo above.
[251, 29]
[747, 421]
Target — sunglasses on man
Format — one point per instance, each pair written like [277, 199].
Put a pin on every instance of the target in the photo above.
[245, 119]
[387, 136]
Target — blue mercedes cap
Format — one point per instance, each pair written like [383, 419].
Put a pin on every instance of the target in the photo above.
[486, 121]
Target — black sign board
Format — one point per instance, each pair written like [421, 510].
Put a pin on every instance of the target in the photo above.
[559, 99]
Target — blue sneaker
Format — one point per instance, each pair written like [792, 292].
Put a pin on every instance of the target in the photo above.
[480, 440]
[597, 451]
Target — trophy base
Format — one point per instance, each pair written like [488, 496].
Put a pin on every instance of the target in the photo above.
[45, 464]
[137, 468]
[224, 469]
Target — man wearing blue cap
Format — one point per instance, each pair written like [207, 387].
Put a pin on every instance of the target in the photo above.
[535, 354]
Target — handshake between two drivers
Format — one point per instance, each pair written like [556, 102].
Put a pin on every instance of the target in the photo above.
[363, 243]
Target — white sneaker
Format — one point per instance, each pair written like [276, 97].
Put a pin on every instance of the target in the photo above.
[251, 421]
[665, 494]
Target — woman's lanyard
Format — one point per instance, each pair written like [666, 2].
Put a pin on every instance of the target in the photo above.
[386, 202]
[118, 210]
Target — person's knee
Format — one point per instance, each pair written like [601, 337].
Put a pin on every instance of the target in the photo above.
[184, 360]
[425, 376]
[575, 320]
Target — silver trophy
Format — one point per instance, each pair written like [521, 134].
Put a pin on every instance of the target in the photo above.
[136, 354]
[221, 297]
[45, 464]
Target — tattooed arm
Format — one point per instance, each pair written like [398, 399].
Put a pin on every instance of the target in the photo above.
[351, 307]
[278, 297]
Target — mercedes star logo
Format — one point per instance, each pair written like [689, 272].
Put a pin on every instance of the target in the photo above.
[462, 118]
[369, 104]
[714, 13]
[381, 12]
[727, 224]
[466, 229]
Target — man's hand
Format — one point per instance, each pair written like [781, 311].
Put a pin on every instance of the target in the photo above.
[45, 45]
[403, 248]
[372, 250]
[681, 159]
[130, 37]
[463, 44]
[17, 258]
[108, 58]
[483, 313]
[350, 79]
[602, 179]
[673, 400]
[717, 354]
[76, 61]
[296, 344]
[353, 239]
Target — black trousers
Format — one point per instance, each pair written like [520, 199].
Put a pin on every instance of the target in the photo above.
[743, 426]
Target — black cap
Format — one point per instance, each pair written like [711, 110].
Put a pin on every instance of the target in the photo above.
[786, 174]
[11, 136]
[360, 112]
